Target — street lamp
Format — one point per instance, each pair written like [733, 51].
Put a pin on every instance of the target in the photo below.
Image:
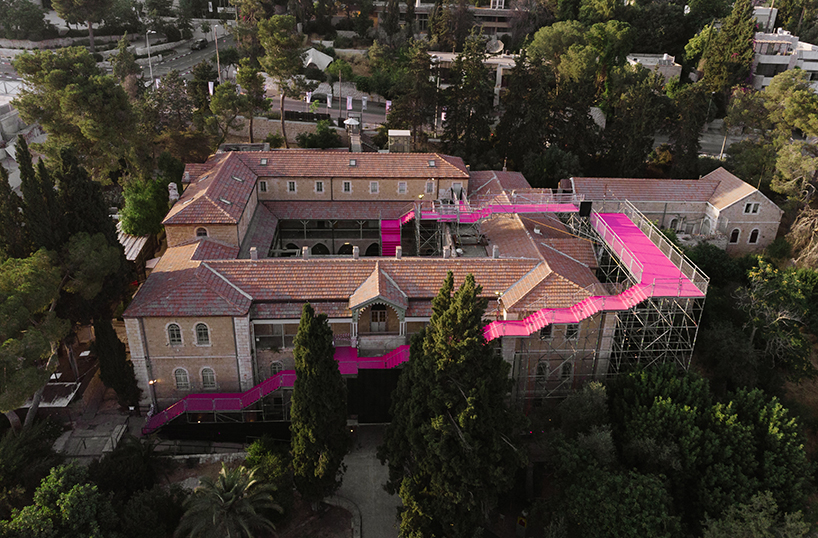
[148, 39]
[218, 65]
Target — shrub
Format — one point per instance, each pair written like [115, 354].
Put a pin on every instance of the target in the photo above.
[275, 140]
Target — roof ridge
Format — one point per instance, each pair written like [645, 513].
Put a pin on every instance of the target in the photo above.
[391, 280]
[218, 274]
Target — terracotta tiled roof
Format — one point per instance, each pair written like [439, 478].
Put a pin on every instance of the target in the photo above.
[509, 234]
[212, 249]
[194, 170]
[378, 285]
[297, 163]
[287, 210]
[493, 182]
[645, 190]
[217, 197]
[554, 291]
[186, 292]
[730, 189]
[524, 286]
[261, 233]
[333, 309]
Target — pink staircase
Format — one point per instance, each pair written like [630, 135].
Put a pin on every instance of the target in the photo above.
[390, 236]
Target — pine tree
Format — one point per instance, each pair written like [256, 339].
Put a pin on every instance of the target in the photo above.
[730, 55]
[13, 242]
[415, 108]
[450, 446]
[319, 431]
[115, 370]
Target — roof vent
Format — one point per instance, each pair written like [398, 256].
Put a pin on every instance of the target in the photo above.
[432, 163]
[353, 162]
[237, 178]
[263, 162]
[228, 202]
[537, 231]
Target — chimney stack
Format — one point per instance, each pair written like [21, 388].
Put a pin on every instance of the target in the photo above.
[495, 251]
[253, 253]
[447, 252]
[173, 192]
[356, 252]
[398, 252]
[305, 252]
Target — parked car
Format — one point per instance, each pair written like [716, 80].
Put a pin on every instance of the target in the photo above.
[199, 44]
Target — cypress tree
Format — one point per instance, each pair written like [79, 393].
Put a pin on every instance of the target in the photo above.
[40, 210]
[13, 241]
[320, 438]
[450, 446]
[729, 57]
[115, 370]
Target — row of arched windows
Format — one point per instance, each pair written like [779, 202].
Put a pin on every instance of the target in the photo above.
[736, 233]
[182, 379]
[201, 331]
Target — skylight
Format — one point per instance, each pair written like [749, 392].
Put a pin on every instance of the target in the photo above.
[228, 202]
[432, 163]
[237, 178]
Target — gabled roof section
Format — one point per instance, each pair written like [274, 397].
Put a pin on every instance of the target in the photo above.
[299, 163]
[378, 285]
[524, 286]
[645, 190]
[730, 189]
[219, 196]
[495, 182]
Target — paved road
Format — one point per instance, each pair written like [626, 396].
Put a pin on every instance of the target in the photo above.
[363, 485]
[183, 59]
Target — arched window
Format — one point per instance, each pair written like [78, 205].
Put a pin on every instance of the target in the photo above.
[542, 377]
[373, 250]
[734, 235]
[567, 370]
[201, 232]
[674, 224]
[174, 335]
[753, 236]
[705, 227]
[208, 378]
[276, 367]
[345, 250]
[182, 380]
[202, 334]
[320, 249]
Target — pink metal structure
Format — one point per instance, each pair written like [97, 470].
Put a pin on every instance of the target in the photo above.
[654, 273]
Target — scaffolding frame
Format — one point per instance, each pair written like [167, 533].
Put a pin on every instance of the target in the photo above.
[658, 330]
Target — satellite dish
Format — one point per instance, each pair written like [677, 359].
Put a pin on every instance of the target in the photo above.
[494, 46]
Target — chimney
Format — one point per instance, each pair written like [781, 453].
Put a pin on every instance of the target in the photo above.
[173, 192]
[356, 252]
[398, 252]
[495, 251]
[187, 177]
[253, 253]
[447, 252]
[305, 252]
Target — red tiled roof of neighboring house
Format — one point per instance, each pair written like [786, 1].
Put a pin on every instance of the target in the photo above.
[719, 187]
[378, 284]
[730, 189]
[217, 197]
[645, 190]
[288, 210]
[298, 163]
[213, 249]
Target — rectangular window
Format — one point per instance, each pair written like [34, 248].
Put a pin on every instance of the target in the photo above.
[347, 186]
[751, 208]
[572, 331]
[291, 186]
[373, 187]
[545, 332]
[401, 187]
[319, 186]
[430, 187]
[457, 186]
[262, 186]
[755, 208]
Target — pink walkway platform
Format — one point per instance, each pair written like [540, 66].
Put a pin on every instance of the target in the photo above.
[655, 274]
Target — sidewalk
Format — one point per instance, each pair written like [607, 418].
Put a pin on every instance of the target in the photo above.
[363, 485]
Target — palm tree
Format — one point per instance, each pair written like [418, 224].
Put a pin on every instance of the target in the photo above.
[232, 506]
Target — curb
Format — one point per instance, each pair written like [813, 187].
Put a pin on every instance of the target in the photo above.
[352, 508]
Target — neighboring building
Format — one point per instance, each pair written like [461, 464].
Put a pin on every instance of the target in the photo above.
[777, 50]
[718, 207]
[367, 239]
[500, 64]
[663, 64]
[492, 20]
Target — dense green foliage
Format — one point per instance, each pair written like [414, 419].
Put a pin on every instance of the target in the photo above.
[115, 370]
[320, 438]
[273, 465]
[324, 137]
[452, 444]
